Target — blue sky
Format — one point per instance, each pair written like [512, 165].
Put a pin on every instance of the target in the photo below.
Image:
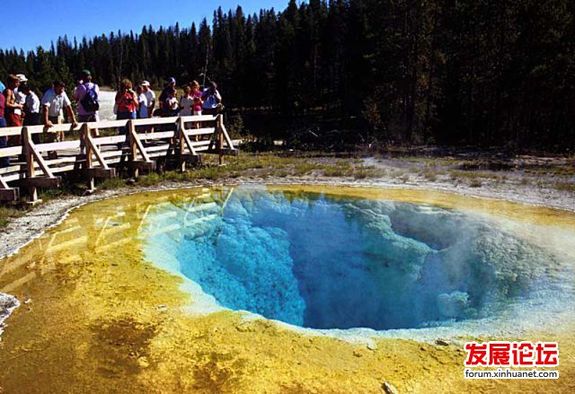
[37, 22]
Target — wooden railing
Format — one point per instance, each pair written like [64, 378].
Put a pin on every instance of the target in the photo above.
[170, 141]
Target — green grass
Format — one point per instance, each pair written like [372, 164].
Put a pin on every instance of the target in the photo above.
[306, 168]
[367, 172]
[361, 174]
[267, 165]
[150, 179]
[472, 175]
[335, 172]
[404, 178]
[565, 186]
[112, 183]
[341, 168]
[552, 170]
[255, 165]
[429, 174]
[8, 213]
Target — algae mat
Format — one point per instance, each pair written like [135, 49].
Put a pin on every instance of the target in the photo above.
[95, 316]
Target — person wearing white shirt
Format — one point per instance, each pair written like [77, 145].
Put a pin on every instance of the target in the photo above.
[31, 110]
[19, 91]
[186, 102]
[150, 97]
[212, 99]
[31, 107]
[54, 102]
[143, 104]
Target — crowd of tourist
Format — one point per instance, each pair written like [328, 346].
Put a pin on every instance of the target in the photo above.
[141, 103]
[21, 106]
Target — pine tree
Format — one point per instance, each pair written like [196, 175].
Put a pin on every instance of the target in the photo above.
[458, 72]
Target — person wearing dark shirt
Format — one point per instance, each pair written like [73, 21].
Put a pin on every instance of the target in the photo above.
[167, 99]
[212, 100]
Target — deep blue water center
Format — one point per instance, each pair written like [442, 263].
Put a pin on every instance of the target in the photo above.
[324, 262]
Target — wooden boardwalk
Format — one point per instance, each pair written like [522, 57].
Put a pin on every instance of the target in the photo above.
[99, 152]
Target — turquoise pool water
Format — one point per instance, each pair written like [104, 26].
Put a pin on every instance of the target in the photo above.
[323, 262]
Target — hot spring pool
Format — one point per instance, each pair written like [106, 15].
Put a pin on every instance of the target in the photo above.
[287, 286]
[323, 261]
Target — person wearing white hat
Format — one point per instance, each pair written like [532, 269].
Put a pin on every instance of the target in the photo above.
[20, 96]
[150, 97]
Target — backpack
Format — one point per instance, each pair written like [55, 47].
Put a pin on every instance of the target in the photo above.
[90, 100]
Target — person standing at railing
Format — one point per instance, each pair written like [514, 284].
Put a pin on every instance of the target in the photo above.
[31, 106]
[150, 97]
[4, 161]
[198, 103]
[31, 110]
[168, 99]
[13, 110]
[127, 104]
[86, 95]
[172, 106]
[212, 99]
[19, 91]
[21, 99]
[186, 102]
[54, 102]
[197, 96]
[126, 101]
[142, 103]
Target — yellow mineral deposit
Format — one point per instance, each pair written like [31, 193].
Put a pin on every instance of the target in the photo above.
[97, 317]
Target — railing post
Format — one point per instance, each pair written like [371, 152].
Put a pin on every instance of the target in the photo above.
[181, 143]
[29, 159]
[133, 146]
[84, 132]
[220, 138]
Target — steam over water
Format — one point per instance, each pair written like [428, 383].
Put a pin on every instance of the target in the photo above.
[322, 262]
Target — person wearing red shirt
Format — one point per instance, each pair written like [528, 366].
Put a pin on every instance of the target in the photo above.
[126, 103]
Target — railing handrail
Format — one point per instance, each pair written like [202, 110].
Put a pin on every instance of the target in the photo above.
[104, 124]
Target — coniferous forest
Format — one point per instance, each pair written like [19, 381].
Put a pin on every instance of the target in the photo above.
[456, 72]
